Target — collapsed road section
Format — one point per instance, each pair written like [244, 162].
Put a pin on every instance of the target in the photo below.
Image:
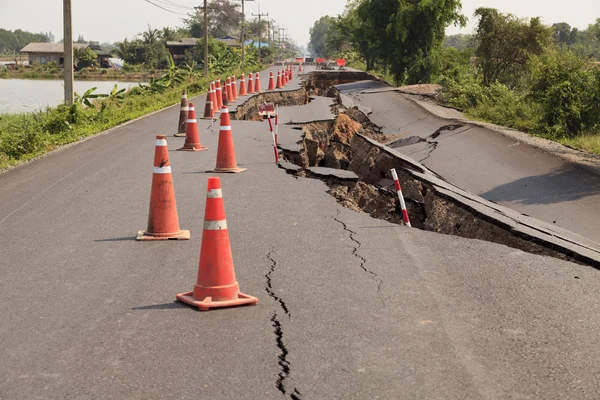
[343, 147]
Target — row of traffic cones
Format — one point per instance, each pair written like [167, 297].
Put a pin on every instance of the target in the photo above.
[216, 285]
[162, 217]
[218, 96]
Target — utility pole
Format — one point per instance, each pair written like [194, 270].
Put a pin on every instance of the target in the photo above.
[259, 15]
[242, 39]
[68, 51]
[205, 39]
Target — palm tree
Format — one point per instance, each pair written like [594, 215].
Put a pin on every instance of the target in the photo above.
[151, 36]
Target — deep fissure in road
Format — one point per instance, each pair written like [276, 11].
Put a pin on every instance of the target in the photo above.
[283, 362]
[347, 144]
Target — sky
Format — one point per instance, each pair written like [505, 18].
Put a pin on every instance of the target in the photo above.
[114, 20]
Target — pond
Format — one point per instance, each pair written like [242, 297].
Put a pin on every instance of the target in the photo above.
[25, 95]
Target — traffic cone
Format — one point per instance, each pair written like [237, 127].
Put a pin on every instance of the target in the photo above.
[256, 83]
[229, 91]
[300, 68]
[215, 103]
[271, 81]
[279, 81]
[163, 222]
[291, 74]
[219, 94]
[225, 152]
[234, 87]
[216, 286]
[250, 84]
[284, 78]
[183, 111]
[208, 108]
[225, 97]
[243, 86]
[192, 139]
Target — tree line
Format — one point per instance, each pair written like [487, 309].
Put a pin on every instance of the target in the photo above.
[11, 42]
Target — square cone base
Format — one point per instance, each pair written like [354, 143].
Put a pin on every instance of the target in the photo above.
[228, 170]
[207, 303]
[192, 149]
[180, 134]
[143, 236]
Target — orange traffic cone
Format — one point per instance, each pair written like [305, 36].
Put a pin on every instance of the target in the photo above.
[225, 98]
[243, 86]
[163, 222]
[208, 108]
[234, 87]
[215, 103]
[291, 74]
[271, 81]
[225, 152]
[300, 68]
[183, 111]
[279, 80]
[219, 94]
[216, 285]
[192, 139]
[256, 83]
[229, 91]
[250, 84]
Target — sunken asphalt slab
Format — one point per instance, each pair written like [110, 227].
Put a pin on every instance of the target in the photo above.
[356, 308]
[486, 163]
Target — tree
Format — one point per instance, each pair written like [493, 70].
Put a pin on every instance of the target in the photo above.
[223, 19]
[406, 36]
[504, 43]
[84, 57]
[459, 41]
[318, 36]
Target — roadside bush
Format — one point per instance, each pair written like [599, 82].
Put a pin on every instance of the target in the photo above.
[568, 90]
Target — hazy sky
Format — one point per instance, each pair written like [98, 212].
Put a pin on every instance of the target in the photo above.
[113, 20]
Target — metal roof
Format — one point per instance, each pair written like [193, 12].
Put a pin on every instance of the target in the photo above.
[183, 42]
[55, 48]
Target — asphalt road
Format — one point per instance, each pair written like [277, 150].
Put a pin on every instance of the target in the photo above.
[349, 307]
[487, 163]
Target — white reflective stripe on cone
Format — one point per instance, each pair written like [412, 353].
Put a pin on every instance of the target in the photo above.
[162, 170]
[225, 128]
[191, 121]
[161, 142]
[214, 194]
[191, 109]
[215, 225]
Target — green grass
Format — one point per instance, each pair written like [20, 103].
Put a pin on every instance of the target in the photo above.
[27, 136]
[589, 143]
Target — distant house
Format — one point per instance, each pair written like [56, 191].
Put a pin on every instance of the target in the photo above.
[44, 53]
[177, 48]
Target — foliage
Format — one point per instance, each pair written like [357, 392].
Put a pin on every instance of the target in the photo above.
[459, 41]
[319, 35]
[148, 50]
[84, 57]
[568, 91]
[223, 19]
[504, 43]
[11, 42]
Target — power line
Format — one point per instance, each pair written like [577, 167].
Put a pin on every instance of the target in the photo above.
[163, 8]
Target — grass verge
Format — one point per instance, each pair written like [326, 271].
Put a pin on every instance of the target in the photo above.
[24, 137]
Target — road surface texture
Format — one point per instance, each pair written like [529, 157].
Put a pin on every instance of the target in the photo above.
[486, 163]
[349, 307]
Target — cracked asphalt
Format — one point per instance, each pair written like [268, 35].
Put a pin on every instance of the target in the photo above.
[349, 307]
[487, 163]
